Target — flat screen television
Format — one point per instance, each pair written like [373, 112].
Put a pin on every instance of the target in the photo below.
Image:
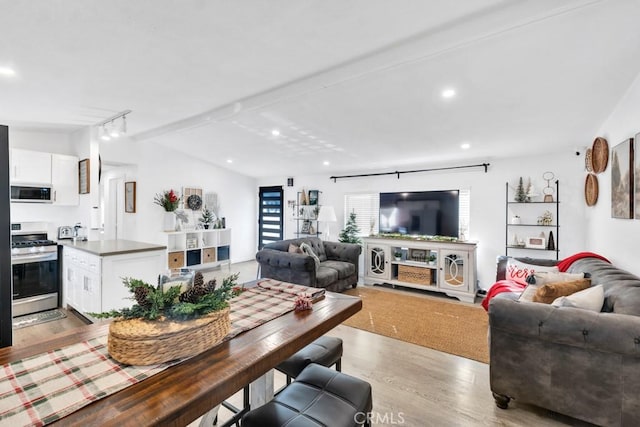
[422, 212]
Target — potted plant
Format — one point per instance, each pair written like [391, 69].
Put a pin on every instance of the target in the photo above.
[176, 323]
[169, 201]
[432, 259]
[397, 255]
[207, 217]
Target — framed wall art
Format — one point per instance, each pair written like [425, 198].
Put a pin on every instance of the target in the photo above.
[622, 194]
[535, 243]
[313, 197]
[130, 197]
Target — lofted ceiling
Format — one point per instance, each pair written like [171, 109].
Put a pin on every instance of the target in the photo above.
[356, 84]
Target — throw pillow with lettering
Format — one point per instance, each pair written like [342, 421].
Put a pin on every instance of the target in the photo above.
[519, 271]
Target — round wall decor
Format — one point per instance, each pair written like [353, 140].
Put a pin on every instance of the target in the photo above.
[591, 189]
[599, 155]
[194, 202]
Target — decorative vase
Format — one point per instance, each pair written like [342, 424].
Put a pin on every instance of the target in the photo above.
[169, 221]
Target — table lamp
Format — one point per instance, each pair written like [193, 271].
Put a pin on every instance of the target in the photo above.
[328, 215]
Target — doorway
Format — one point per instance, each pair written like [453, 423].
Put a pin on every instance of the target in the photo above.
[270, 216]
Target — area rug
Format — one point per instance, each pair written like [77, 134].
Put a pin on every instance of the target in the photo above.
[37, 318]
[431, 322]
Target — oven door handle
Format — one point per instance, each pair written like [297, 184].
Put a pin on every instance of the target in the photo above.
[34, 258]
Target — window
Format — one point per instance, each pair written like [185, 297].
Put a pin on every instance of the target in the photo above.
[366, 207]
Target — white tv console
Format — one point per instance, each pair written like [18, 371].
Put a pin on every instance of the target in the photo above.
[453, 271]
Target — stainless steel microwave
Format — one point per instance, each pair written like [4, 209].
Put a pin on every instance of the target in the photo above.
[31, 194]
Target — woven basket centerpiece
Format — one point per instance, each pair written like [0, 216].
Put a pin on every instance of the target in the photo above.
[169, 323]
[148, 342]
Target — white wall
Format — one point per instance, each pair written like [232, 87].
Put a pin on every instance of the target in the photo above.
[487, 220]
[617, 239]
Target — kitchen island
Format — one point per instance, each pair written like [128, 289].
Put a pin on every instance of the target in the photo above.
[92, 272]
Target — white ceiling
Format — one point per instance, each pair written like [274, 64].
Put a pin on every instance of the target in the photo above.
[356, 83]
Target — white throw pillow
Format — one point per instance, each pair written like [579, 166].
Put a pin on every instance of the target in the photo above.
[588, 299]
[519, 271]
[543, 277]
[309, 251]
[528, 293]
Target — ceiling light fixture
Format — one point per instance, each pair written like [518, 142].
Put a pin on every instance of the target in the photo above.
[114, 126]
[229, 161]
[275, 132]
[326, 163]
[104, 133]
[465, 146]
[448, 93]
[7, 72]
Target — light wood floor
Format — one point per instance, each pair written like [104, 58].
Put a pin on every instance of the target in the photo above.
[412, 385]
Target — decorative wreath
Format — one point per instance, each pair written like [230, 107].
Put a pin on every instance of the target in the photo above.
[194, 202]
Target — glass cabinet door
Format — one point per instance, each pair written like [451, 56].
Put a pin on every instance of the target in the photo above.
[454, 270]
[378, 261]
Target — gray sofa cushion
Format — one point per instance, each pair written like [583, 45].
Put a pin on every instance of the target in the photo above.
[325, 276]
[344, 269]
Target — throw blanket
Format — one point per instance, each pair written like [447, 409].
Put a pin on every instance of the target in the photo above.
[566, 263]
[511, 286]
[499, 287]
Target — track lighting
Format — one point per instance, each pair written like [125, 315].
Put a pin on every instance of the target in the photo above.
[113, 127]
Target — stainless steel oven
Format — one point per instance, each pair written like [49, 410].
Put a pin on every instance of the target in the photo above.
[36, 272]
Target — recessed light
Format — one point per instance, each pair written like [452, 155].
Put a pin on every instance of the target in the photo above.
[229, 161]
[7, 72]
[465, 146]
[275, 132]
[326, 163]
[448, 93]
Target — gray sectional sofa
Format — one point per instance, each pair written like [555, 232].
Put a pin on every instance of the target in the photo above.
[572, 361]
[338, 268]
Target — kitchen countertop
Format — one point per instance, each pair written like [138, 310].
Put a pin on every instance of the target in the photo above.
[112, 247]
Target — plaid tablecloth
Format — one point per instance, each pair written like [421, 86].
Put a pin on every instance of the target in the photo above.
[41, 389]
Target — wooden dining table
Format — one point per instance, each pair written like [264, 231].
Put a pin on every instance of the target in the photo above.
[183, 392]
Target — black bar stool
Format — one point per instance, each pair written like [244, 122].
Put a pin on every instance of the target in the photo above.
[325, 351]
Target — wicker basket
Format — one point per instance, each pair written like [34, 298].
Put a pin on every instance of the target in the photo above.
[417, 275]
[148, 342]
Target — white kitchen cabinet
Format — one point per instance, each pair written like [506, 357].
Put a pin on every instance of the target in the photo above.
[64, 180]
[30, 167]
[93, 283]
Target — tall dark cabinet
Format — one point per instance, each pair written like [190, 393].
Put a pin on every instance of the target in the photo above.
[5, 241]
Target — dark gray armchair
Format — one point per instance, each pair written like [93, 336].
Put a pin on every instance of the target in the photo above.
[338, 263]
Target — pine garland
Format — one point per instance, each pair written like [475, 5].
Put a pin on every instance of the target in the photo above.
[158, 302]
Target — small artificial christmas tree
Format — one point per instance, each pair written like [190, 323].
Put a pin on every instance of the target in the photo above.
[351, 232]
[521, 195]
[207, 217]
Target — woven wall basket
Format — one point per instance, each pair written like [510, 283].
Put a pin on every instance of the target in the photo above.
[148, 342]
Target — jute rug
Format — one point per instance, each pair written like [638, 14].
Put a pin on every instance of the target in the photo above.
[431, 322]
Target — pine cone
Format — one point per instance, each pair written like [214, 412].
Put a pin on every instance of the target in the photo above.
[211, 286]
[140, 293]
[192, 294]
[198, 279]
